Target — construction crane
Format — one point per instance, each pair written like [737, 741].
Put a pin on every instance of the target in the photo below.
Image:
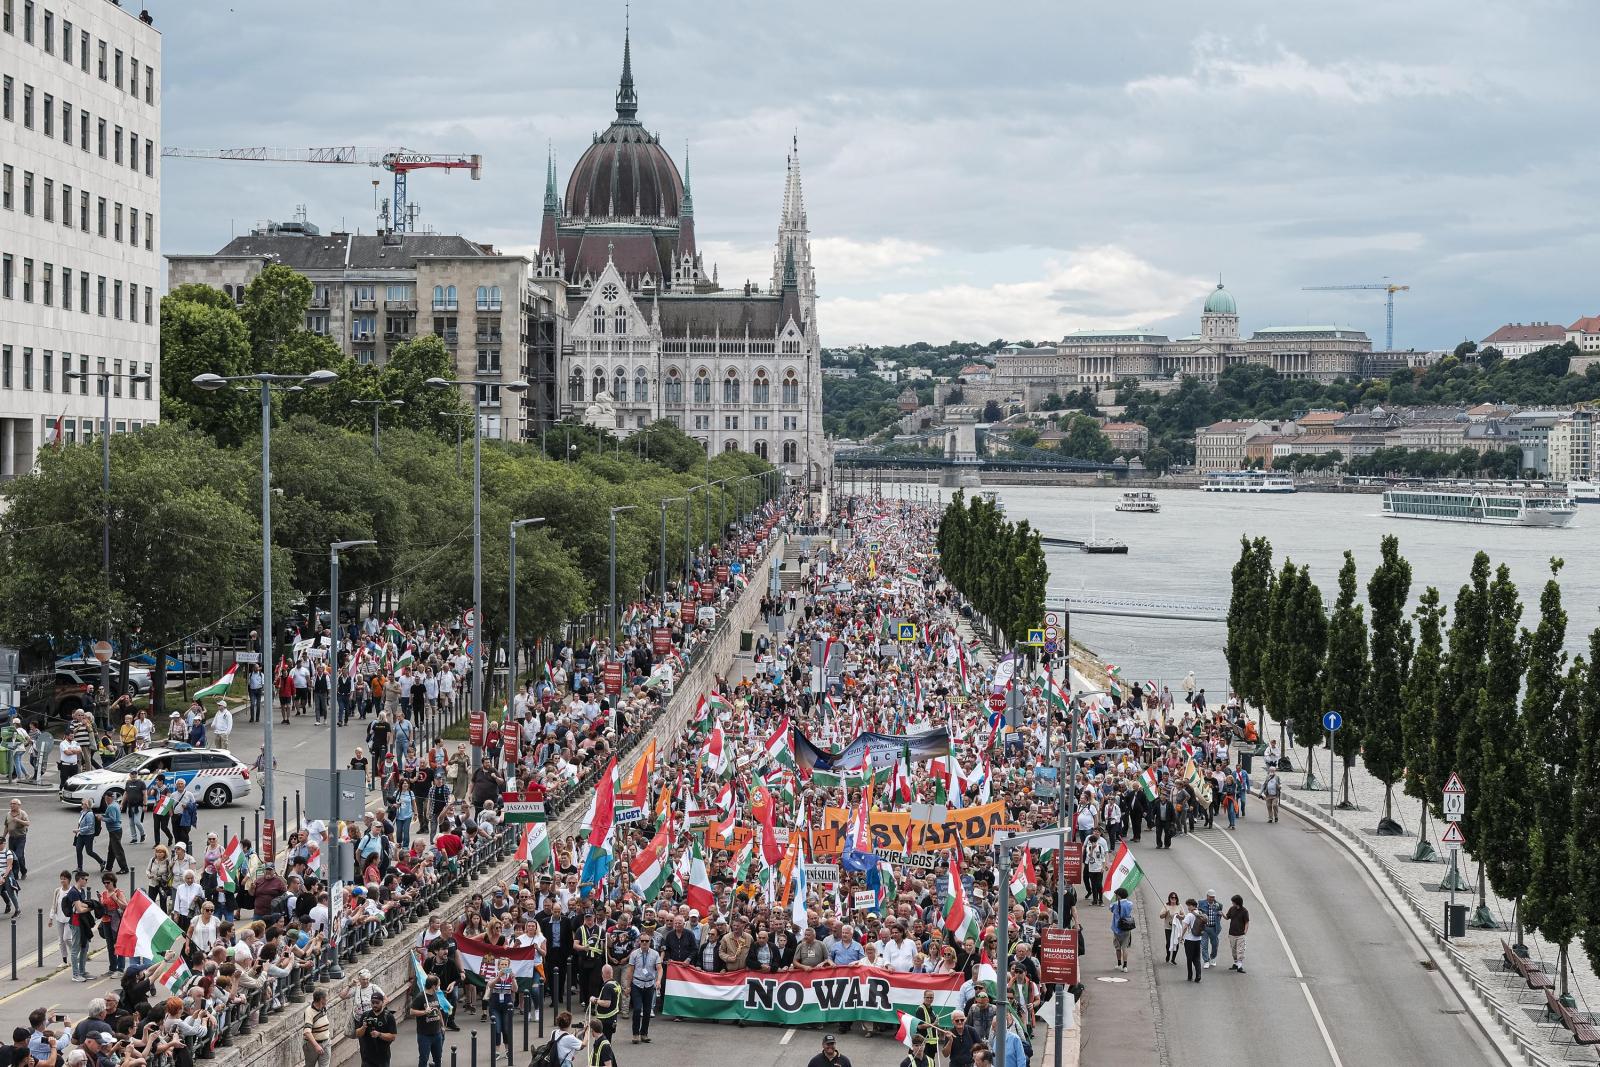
[397, 161]
[1383, 287]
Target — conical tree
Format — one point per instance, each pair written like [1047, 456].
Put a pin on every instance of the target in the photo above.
[1551, 903]
[1463, 673]
[1489, 755]
[1584, 856]
[1249, 618]
[1307, 641]
[1548, 738]
[1421, 696]
[1344, 676]
[1277, 649]
[1382, 740]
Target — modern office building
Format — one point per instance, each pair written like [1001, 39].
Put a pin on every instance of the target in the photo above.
[80, 199]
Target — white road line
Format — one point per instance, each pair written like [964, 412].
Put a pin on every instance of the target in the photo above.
[787, 1035]
[1311, 1003]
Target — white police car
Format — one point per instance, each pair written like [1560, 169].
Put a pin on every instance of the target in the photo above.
[217, 778]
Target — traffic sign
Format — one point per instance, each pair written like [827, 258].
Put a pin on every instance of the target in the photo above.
[1452, 838]
[872, 547]
[997, 702]
[1455, 806]
[1453, 785]
[102, 651]
[906, 631]
[1052, 618]
[1035, 638]
[1331, 721]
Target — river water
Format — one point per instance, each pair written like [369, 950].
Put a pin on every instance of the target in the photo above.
[1189, 548]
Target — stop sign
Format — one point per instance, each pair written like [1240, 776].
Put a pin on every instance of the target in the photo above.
[997, 701]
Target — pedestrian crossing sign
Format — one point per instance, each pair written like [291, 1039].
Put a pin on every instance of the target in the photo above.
[1035, 638]
[906, 631]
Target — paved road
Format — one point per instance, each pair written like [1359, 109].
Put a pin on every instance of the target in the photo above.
[1332, 975]
[297, 747]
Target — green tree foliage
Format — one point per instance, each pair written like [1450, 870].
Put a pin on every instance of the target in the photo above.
[1382, 730]
[1296, 643]
[1344, 677]
[274, 312]
[859, 407]
[1084, 439]
[1583, 856]
[1422, 463]
[1490, 749]
[1249, 619]
[1462, 676]
[1275, 652]
[201, 333]
[999, 566]
[1422, 694]
[182, 516]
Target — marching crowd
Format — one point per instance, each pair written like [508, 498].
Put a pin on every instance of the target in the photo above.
[759, 753]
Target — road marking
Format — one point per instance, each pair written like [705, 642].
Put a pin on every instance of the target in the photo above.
[1277, 927]
[787, 1035]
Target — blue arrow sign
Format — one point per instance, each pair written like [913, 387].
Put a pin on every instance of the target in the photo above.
[1331, 721]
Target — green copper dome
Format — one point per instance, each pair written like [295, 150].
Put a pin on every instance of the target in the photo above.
[1220, 302]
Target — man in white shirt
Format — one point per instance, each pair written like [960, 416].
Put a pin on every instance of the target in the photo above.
[447, 689]
[221, 726]
[898, 953]
[186, 899]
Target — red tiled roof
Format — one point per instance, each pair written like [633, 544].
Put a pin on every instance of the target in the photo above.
[1519, 332]
[1587, 324]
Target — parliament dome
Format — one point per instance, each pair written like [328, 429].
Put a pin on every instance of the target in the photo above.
[625, 174]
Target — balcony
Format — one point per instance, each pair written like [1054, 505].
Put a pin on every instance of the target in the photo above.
[488, 305]
[400, 305]
[445, 305]
[363, 305]
[318, 300]
[451, 338]
[488, 337]
[395, 336]
[362, 337]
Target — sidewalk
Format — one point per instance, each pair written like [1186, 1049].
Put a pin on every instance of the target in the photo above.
[1513, 1015]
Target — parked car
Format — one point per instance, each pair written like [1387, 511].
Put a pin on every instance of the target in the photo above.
[53, 697]
[218, 778]
[138, 676]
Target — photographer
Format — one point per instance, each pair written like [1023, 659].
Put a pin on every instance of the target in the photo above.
[375, 1030]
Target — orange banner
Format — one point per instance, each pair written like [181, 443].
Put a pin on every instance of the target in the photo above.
[892, 830]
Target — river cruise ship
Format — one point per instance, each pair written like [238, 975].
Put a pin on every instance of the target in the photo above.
[1494, 507]
[1248, 482]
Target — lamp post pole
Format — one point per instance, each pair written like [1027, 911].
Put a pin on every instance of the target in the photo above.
[377, 406]
[479, 388]
[611, 601]
[688, 520]
[511, 589]
[211, 383]
[104, 378]
[336, 851]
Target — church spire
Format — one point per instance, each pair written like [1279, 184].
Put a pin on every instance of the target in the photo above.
[551, 205]
[627, 101]
[686, 209]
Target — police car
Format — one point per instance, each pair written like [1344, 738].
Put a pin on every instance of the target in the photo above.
[216, 778]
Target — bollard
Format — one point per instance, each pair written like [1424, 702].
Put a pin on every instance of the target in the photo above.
[258, 828]
[527, 1012]
[493, 1043]
[297, 807]
[472, 1058]
[13, 948]
[41, 939]
[452, 1056]
[284, 822]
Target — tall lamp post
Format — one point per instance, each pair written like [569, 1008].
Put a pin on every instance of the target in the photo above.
[688, 534]
[336, 853]
[104, 378]
[511, 589]
[377, 406]
[480, 387]
[663, 562]
[211, 383]
[458, 416]
[611, 603]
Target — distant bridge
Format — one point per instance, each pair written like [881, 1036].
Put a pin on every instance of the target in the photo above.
[1047, 462]
[1140, 606]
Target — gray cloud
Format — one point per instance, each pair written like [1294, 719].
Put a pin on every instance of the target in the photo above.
[1057, 167]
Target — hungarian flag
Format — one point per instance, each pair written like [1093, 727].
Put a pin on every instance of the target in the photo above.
[730, 813]
[719, 703]
[1052, 690]
[797, 895]
[170, 802]
[986, 977]
[650, 867]
[1024, 877]
[700, 721]
[780, 746]
[697, 891]
[228, 867]
[597, 857]
[1147, 783]
[147, 932]
[761, 807]
[959, 919]
[407, 658]
[742, 861]
[174, 975]
[220, 687]
[534, 848]
[907, 1028]
[1124, 872]
[479, 961]
[965, 669]
[857, 854]
[902, 789]
[636, 787]
[716, 754]
[392, 632]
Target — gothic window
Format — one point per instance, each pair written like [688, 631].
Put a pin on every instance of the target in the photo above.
[761, 388]
[791, 391]
[610, 292]
[674, 386]
[619, 384]
[702, 388]
[761, 449]
[599, 320]
[730, 445]
[641, 385]
[575, 385]
[730, 388]
[621, 320]
[791, 452]
[599, 381]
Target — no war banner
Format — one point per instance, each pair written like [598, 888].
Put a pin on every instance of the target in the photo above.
[792, 998]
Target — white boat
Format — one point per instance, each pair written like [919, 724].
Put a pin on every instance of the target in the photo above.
[1248, 482]
[1139, 500]
[1493, 507]
[1583, 492]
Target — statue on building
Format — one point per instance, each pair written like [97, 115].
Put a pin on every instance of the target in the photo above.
[601, 414]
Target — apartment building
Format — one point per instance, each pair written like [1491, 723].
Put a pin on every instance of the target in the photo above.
[80, 199]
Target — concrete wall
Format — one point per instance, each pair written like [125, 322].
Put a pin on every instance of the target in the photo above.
[277, 1044]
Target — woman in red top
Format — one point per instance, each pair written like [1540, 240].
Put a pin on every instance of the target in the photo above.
[112, 901]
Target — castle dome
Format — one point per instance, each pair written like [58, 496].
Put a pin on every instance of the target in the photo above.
[625, 174]
[1220, 302]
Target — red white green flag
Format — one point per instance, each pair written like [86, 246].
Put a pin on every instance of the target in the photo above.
[959, 918]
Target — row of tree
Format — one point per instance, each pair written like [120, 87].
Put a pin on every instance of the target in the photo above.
[997, 565]
[1422, 698]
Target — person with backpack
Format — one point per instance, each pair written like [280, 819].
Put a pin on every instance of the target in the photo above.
[1194, 928]
[1122, 926]
[83, 838]
[562, 1048]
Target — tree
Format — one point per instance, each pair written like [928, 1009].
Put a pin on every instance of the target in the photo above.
[1421, 695]
[1084, 439]
[1157, 460]
[200, 335]
[1583, 857]
[183, 543]
[1296, 647]
[1549, 737]
[1249, 619]
[1382, 731]
[1490, 752]
[1462, 676]
[1344, 678]
[274, 312]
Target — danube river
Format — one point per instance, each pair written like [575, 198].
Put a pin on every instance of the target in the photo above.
[1189, 549]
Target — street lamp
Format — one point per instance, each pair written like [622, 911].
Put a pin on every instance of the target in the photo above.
[612, 601]
[663, 564]
[480, 387]
[458, 416]
[105, 378]
[377, 406]
[211, 383]
[511, 586]
[688, 521]
[336, 857]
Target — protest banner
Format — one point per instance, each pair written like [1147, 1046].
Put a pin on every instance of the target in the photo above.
[826, 995]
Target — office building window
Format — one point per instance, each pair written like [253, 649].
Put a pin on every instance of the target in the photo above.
[66, 122]
[27, 370]
[47, 193]
[101, 63]
[100, 137]
[148, 302]
[100, 302]
[149, 158]
[133, 227]
[116, 299]
[50, 32]
[83, 211]
[27, 21]
[7, 178]
[7, 265]
[83, 50]
[116, 146]
[27, 192]
[66, 206]
[8, 89]
[83, 129]
[83, 291]
[149, 376]
[117, 63]
[27, 106]
[5, 366]
[83, 375]
[66, 288]
[48, 112]
[47, 286]
[133, 77]
[66, 41]
[149, 229]
[149, 84]
[27, 281]
[47, 370]
[116, 223]
[100, 215]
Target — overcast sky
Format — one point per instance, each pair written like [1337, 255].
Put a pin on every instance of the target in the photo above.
[971, 171]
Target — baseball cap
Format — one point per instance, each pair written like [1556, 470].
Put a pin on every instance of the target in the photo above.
[829, 1039]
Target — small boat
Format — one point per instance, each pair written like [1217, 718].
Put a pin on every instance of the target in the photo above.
[1139, 500]
[1105, 546]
